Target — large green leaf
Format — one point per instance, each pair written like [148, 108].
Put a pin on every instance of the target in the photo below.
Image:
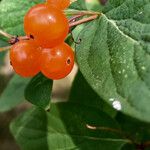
[13, 94]
[65, 127]
[78, 5]
[12, 13]
[38, 91]
[114, 56]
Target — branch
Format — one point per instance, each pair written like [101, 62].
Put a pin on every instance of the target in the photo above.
[105, 129]
[117, 131]
[13, 40]
[78, 12]
[9, 36]
[83, 21]
[73, 19]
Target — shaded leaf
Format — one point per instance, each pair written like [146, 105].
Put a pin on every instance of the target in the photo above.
[139, 131]
[13, 93]
[129, 147]
[66, 126]
[82, 93]
[78, 5]
[38, 91]
[2, 54]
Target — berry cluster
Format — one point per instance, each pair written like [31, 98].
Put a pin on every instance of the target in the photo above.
[45, 51]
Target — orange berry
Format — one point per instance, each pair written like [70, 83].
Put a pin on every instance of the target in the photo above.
[61, 4]
[24, 58]
[57, 63]
[47, 25]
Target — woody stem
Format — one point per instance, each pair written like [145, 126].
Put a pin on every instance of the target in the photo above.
[84, 20]
[6, 34]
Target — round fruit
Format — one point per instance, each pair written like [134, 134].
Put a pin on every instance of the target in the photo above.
[24, 58]
[61, 4]
[57, 63]
[46, 24]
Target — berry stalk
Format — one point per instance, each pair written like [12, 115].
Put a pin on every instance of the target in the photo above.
[84, 20]
[73, 19]
[72, 12]
[5, 34]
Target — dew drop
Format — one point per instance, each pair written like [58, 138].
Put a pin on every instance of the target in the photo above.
[111, 99]
[116, 103]
[119, 72]
[143, 68]
[123, 70]
[126, 76]
[96, 85]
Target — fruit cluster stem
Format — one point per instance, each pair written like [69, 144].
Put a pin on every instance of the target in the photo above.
[5, 34]
[77, 12]
[73, 19]
[93, 17]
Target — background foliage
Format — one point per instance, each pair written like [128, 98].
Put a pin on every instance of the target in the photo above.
[108, 107]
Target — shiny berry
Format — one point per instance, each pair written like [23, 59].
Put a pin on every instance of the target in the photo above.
[46, 24]
[24, 58]
[61, 4]
[57, 63]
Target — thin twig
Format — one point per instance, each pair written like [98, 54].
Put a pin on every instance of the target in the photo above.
[5, 48]
[83, 20]
[14, 40]
[120, 132]
[76, 12]
[105, 129]
[6, 34]
[72, 19]
[23, 38]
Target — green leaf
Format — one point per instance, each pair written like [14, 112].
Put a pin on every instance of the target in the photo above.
[12, 13]
[13, 93]
[129, 147]
[38, 91]
[139, 131]
[3, 42]
[82, 93]
[66, 126]
[2, 54]
[113, 56]
[78, 5]
[94, 5]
